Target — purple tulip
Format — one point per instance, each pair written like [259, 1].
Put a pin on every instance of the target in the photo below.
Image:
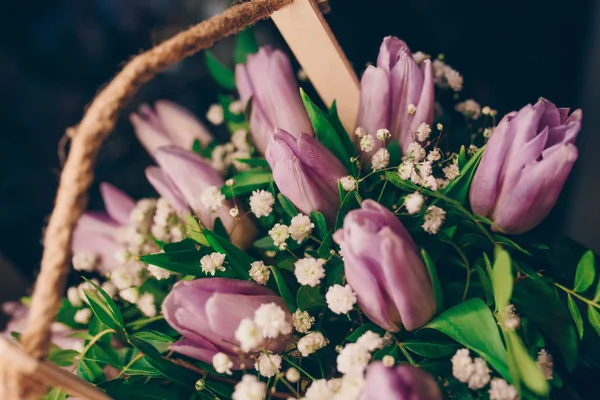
[165, 187]
[208, 311]
[383, 266]
[388, 89]
[525, 165]
[305, 172]
[269, 80]
[400, 383]
[168, 124]
[191, 175]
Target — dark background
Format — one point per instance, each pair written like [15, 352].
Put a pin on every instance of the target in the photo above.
[55, 54]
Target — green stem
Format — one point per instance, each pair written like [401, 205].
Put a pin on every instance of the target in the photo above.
[145, 322]
[573, 293]
[382, 189]
[95, 339]
[299, 368]
[406, 354]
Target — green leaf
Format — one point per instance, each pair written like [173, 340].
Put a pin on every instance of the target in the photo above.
[63, 358]
[458, 189]
[462, 157]
[104, 308]
[224, 76]
[574, 310]
[142, 367]
[194, 230]
[157, 339]
[510, 243]
[245, 44]
[586, 272]
[351, 202]
[185, 262]
[361, 330]
[237, 258]
[486, 283]
[284, 291]
[391, 350]
[597, 294]
[522, 367]
[320, 223]
[88, 370]
[502, 279]
[395, 152]
[325, 132]
[334, 119]
[197, 147]
[435, 282]
[254, 162]
[55, 394]
[287, 205]
[247, 182]
[472, 324]
[430, 350]
[309, 298]
[219, 229]
[123, 390]
[594, 317]
[394, 179]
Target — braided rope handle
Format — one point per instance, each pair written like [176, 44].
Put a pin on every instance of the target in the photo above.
[97, 123]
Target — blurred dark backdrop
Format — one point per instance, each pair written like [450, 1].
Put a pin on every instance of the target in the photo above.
[55, 54]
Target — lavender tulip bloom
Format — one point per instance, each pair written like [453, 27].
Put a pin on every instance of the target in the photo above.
[399, 383]
[168, 124]
[208, 311]
[383, 266]
[525, 165]
[269, 80]
[388, 90]
[305, 172]
[191, 175]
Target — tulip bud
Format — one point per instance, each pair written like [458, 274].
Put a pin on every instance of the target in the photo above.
[168, 124]
[402, 382]
[269, 80]
[192, 176]
[305, 172]
[208, 311]
[524, 166]
[384, 268]
[397, 94]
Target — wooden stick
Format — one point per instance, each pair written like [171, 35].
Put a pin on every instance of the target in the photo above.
[308, 35]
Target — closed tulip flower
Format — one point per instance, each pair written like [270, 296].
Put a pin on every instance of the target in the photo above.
[397, 94]
[306, 172]
[168, 124]
[192, 176]
[399, 383]
[383, 266]
[269, 80]
[208, 311]
[525, 165]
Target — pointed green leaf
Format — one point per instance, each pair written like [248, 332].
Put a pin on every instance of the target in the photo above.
[351, 202]
[245, 45]
[238, 259]
[320, 224]
[104, 308]
[287, 205]
[254, 162]
[523, 367]
[429, 349]
[586, 272]
[247, 181]
[502, 279]
[361, 330]
[574, 310]
[221, 74]
[185, 262]
[309, 298]
[458, 189]
[594, 317]
[334, 119]
[284, 291]
[435, 282]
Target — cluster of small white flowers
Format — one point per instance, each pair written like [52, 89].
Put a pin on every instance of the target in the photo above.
[128, 275]
[135, 237]
[259, 272]
[445, 76]
[340, 299]
[501, 390]
[147, 305]
[546, 363]
[511, 320]
[83, 316]
[73, 295]
[475, 373]
[367, 143]
[219, 158]
[249, 388]
[302, 321]
[383, 134]
[419, 57]
[212, 198]
[214, 115]
[301, 227]
[239, 138]
[451, 172]
[423, 131]
[469, 108]
[310, 343]
[472, 150]
[268, 365]
[131, 294]
[411, 109]
[321, 390]
[434, 155]
[309, 271]
[261, 203]
[380, 159]
[434, 218]
[110, 289]
[248, 334]
[415, 152]
[158, 273]
[413, 202]
[348, 183]
[83, 286]
[487, 132]
[167, 226]
[213, 262]
[271, 320]
[84, 261]
[360, 132]
[279, 233]
[370, 341]
[222, 363]
[405, 169]
[353, 359]
[481, 374]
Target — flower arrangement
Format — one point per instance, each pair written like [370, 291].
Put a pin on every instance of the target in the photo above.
[297, 260]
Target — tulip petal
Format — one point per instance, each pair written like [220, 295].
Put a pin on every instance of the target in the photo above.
[382, 384]
[167, 189]
[149, 129]
[374, 109]
[203, 351]
[181, 125]
[118, 205]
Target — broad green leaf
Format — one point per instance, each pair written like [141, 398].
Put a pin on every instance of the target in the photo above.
[103, 312]
[246, 182]
[194, 230]
[594, 317]
[391, 350]
[102, 356]
[394, 179]
[472, 324]
[502, 279]
[219, 229]
[244, 45]
[254, 162]
[486, 284]
[157, 339]
[574, 310]
[320, 224]
[395, 152]
[287, 205]
[334, 119]
[308, 298]
[326, 246]
[458, 390]
[435, 282]
[430, 350]
[351, 201]
[458, 189]
[586, 272]
[265, 243]
[63, 358]
[523, 367]
[334, 272]
[223, 75]
[361, 330]
[238, 259]
[185, 262]
[284, 291]
[141, 367]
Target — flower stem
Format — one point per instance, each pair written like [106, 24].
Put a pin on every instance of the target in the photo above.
[299, 368]
[574, 294]
[406, 354]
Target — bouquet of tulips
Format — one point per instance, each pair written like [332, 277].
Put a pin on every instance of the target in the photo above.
[401, 260]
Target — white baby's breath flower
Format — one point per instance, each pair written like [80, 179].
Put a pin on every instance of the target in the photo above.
[236, 107]
[419, 57]
[425, 169]
[430, 182]
[348, 183]
[158, 272]
[462, 365]
[416, 152]
[230, 182]
[259, 272]
[440, 127]
[249, 388]
[213, 262]
[248, 334]
[84, 261]
[214, 115]
[83, 316]
[411, 109]
[309, 271]
[222, 363]
[413, 202]
[546, 363]
[310, 343]
[268, 365]
[486, 110]
[469, 108]
[406, 169]
[319, 390]
[234, 212]
[272, 320]
[147, 305]
[380, 159]
[454, 78]
[388, 361]
[127, 276]
[511, 320]
[353, 359]
[383, 134]
[370, 341]
[340, 299]
[501, 390]
[434, 218]
[212, 198]
[301, 227]
[279, 233]
[261, 203]
[480, 376]
[292, 375]
[472, 150]
[487, 132]
[131, 294]
[360, 132]
[74, 297]
[434, 155]
[110, 289]
[351, 387]
[423, 131]
[239, 139]
[302, 321]
[367, 143]
[240, 154]
[451, 172]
